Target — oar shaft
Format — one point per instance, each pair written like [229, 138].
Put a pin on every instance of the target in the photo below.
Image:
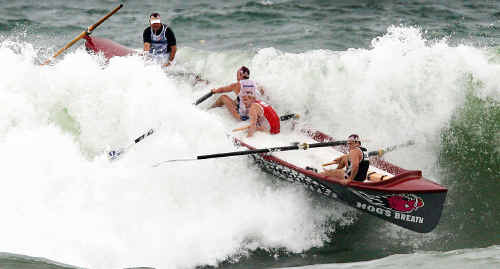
[282, 118]
[150, 132]
[289, 116]
[82, 34]
[275, 149]
[92, 27]
[246, 152]
[203, 98]
[381, 152]
[115, 154]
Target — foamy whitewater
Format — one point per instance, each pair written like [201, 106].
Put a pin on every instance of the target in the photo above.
[62, 199]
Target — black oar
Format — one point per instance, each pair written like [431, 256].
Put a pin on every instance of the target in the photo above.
[289, 116]
[282, 118]
[303, 146]
[203, 98]
[115, 154]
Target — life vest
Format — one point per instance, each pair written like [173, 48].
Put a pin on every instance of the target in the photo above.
[272, 119]
[159, 43]
[247, 85]
[364, 164]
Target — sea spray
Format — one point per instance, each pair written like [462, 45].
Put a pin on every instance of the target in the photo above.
[65, 201]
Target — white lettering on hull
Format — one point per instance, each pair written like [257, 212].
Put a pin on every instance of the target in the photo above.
[388, 213]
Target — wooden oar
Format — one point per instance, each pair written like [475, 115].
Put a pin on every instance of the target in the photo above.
[381, 152]
[84, 33]
[303, 146]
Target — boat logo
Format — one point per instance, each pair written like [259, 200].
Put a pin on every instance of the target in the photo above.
[406, 203]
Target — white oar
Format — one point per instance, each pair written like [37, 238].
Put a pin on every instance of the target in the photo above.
[115, 154]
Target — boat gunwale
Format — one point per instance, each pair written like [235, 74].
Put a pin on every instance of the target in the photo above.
[389, 185]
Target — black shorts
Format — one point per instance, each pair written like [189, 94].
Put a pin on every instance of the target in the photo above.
[242, 117]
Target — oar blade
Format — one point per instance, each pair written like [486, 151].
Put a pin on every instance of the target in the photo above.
[115, 154]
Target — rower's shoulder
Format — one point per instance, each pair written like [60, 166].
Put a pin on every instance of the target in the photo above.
[235, 85]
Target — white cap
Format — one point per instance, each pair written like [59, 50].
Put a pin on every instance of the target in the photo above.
[155, 20]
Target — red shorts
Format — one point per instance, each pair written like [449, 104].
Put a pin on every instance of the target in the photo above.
[272, 118]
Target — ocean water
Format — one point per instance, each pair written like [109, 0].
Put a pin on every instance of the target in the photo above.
[388, 70]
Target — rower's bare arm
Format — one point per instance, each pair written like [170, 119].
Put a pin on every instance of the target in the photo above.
[228, 88]
[171, 57]
[337, 160]
[172, 53]
[147, 46]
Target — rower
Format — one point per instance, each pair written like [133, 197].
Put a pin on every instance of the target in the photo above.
[262, 116]
[234, 106]
[356, 163]
[159, 41]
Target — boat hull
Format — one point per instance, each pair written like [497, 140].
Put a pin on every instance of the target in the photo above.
[107, 47]
[407, 200]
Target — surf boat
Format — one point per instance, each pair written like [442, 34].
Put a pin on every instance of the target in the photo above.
[402, 197]
[107, 47]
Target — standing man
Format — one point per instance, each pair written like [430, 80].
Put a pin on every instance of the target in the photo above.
[159, 40]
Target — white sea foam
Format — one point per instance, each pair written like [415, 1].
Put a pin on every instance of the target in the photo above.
[61, 198]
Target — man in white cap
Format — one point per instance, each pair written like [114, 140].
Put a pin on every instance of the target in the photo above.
[159, 40]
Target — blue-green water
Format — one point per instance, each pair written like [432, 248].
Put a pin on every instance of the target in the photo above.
[389, 70]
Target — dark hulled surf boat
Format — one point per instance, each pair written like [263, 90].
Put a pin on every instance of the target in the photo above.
[404, 197]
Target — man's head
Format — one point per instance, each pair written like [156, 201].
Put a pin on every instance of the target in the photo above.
[155, 21]
[353, 140]
[243, 73]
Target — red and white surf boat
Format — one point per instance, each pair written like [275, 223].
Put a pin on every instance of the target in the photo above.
[107, 47]
[404, 197]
